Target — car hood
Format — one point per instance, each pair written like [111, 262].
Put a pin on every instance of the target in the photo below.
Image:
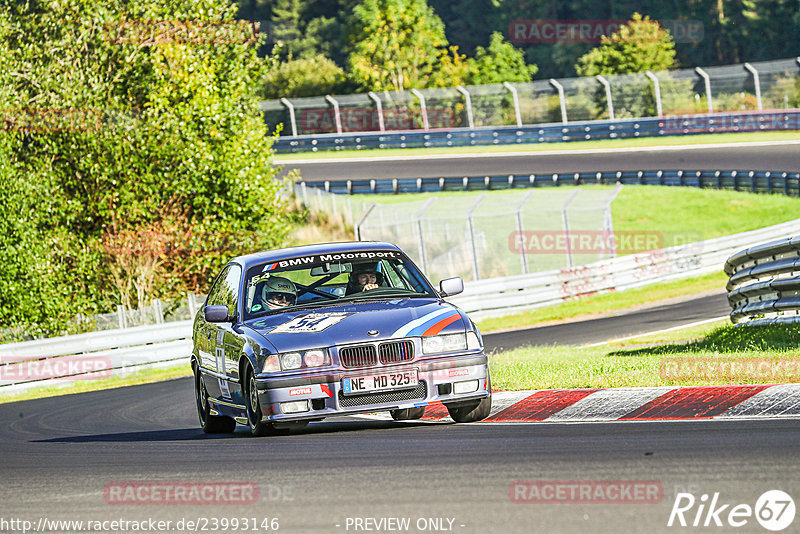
[351, 322]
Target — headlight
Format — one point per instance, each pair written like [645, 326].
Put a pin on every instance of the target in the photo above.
[291, 360]
[473, 343]
[447, 343]
[315, 358]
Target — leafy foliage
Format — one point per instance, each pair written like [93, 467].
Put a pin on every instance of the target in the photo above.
[153, 159]
[639, 45]
[501, 62]
[313, 76]
[400, 44]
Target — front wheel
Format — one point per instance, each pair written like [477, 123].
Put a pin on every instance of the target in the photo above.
[257, 427]
[211, 424]
[474, 411]
[407, 414]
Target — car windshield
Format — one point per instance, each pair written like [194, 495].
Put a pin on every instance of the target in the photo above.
[324, 279]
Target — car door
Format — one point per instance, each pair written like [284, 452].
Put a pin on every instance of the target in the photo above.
[223, 342]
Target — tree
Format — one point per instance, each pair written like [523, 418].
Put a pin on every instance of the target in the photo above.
[501, 62]
[400, 44]
[314, 76]
[130, 126]
[639, 45]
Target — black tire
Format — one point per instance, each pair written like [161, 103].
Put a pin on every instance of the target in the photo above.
[257, 427]
[211, 424]
[407, 414]
[474, 411]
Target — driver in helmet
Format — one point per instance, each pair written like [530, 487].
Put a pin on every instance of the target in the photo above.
[363, 278]
[278, 292]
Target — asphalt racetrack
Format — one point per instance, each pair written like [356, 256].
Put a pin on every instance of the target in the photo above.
[784, 156]
[61, 455]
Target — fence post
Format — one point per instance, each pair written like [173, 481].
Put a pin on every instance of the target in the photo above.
[290, 107]
[158, 311]
[336, 116]
[304, 191]
[756, 83]
[379, 106]
[561, 99]
[192, 304]
[607, 87]
[565, 222]
[521, 231]
[123, 320]
[707, 81]
[468, 103]
[362, 219]
[471, 228]
[515, 99]
[656, 91]
[422, 108]
[422, 251]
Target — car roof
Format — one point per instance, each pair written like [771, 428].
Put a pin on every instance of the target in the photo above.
[279, 254]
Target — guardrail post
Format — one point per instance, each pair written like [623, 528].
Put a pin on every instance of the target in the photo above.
[607, 87]
[468, 103]
[561, 98]
[471, 228]
[656, 92]
[608, 219]
[756, 83]
[158, 311]
[521, 232]
[423, 109]
[190, 300]
[379, 107]
[292, 120]
[336, 116]
[515, 99]
[707, 81]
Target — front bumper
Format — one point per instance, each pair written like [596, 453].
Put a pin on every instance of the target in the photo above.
[325, 397]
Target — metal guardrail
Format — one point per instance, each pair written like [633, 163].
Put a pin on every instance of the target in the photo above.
[764, 283]
[769, 182]
[546, 133]
[502, 296]
[113, 352]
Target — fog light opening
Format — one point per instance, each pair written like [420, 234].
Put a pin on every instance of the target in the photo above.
[317, 404]
[294, 406]
[465, 387]
[445, 389]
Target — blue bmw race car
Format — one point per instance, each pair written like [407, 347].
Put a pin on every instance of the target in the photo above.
[299, 334]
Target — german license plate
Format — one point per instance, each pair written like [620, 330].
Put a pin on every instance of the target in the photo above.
[363, 384]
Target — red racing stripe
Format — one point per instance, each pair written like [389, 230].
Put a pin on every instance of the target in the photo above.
[698, 402]
[541, 405]
[438, 327]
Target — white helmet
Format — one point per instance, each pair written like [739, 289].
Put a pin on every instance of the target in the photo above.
[278, 292]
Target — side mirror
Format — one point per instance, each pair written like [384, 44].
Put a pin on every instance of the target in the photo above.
[216, 314]
[451, 286]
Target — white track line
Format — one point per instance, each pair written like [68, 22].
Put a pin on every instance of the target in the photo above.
[679, 327]
[470, 155]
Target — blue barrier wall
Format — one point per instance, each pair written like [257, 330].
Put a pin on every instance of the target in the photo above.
[547, 133]
[786, 183]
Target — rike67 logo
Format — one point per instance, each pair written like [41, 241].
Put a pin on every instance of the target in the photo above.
[774, 510]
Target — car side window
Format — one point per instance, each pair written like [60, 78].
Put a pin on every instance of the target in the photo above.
[226, 289]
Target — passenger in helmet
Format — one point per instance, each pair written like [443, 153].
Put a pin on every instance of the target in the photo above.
[364, 277]
[278, 292]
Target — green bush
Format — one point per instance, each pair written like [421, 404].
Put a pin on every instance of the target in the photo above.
[134, 155]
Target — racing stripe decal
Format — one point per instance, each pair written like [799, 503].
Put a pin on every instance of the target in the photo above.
[438, 327]
[407, 328]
